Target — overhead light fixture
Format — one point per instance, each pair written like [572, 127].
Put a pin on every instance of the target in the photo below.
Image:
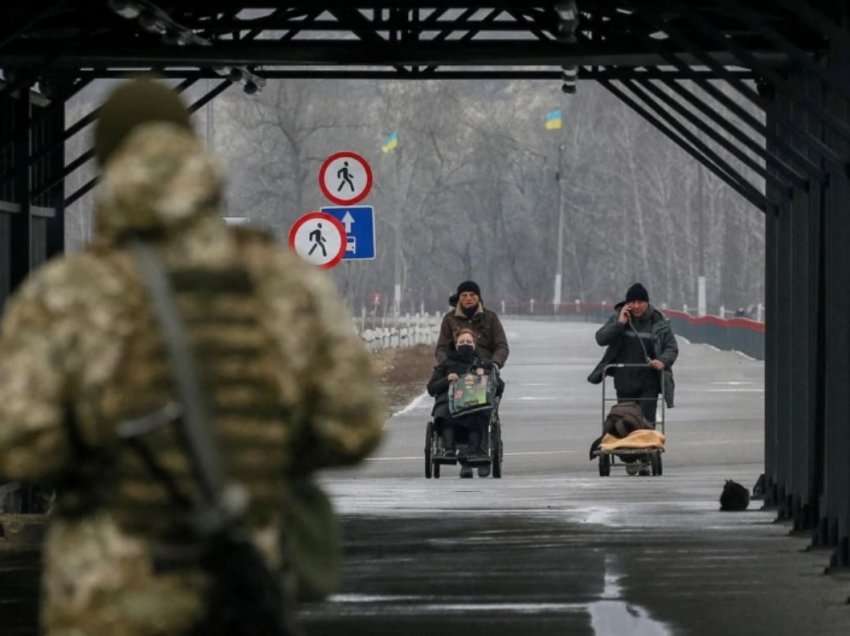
[158, 22]
[567, 11]
[127, 10]
[569, 75]
[152, 24]
[178, 38]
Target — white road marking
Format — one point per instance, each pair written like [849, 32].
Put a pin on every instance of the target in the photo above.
[745, 356]
[716, 442]
[414, 404]
[405, 458]
[733, 383]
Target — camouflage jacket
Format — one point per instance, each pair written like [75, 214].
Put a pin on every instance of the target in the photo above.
[74, 343]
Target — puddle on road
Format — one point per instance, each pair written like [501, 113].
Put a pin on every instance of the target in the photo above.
[611, 616]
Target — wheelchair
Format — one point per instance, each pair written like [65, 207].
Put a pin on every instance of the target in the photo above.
[487, 465]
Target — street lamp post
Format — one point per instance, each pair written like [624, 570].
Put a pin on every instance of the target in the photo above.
[559, 268]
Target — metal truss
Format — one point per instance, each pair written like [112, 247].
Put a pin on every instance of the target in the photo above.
[663, 59]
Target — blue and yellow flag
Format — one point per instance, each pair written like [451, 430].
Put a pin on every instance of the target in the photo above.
[390, 143]
[553, 120]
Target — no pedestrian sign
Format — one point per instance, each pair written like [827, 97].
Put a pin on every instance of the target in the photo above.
[318, 238]
[345, 178]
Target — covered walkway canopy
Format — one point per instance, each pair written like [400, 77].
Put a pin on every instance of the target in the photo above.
[687, 66]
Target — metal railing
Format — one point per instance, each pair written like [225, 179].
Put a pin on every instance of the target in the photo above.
[736, 333]
[402, 331]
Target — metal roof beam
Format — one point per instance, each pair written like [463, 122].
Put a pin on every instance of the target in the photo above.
[746, 190]
[677, 107]
[201, 102]
[347, 53]
[586, 73]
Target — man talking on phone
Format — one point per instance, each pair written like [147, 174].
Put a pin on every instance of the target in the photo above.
[637, 333]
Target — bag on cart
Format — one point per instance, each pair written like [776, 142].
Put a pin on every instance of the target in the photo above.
[623, 419]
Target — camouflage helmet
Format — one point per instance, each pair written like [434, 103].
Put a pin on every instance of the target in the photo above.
[138, 101]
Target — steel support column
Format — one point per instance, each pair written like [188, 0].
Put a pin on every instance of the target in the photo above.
[21, 222]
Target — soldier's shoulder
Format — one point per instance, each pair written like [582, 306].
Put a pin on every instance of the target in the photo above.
[247, 236]
[275, 267]
[261, 249]
[68, 275]
[72, 287]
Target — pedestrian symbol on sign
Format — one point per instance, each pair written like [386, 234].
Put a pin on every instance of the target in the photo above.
[318, 241]
[345, 177]
[318, 238]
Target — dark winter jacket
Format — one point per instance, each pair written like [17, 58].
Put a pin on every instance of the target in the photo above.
[612, 335]
[491, 342]
[438, 385]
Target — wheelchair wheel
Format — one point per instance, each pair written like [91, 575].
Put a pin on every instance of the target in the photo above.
[604, 465]
[429, 433]
[496, 451]
[657, 466]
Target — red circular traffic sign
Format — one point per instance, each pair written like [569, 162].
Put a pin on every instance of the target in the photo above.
[309, 239]
[345, 173]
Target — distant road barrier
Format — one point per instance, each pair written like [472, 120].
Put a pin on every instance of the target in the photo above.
[738, 334]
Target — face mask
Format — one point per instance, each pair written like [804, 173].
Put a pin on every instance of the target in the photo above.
[466, 351]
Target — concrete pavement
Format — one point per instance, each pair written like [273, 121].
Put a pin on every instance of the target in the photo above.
[556, 549]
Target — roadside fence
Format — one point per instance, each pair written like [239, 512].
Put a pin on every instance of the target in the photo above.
[389, 332]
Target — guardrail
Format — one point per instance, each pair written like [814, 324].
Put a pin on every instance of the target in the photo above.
[738, 334]
[731, 334]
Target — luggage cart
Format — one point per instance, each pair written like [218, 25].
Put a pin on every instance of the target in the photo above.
[652, 456]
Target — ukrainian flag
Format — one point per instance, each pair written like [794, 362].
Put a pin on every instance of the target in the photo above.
[553, 120]
[390, 143]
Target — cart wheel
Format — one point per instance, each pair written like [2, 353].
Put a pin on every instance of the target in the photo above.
[429, 430]
[466, 472]
[604, 465]
[657, 466]
[496, 452]
[436, 470]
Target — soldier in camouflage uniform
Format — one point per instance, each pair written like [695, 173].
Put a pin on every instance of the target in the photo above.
[80, 352]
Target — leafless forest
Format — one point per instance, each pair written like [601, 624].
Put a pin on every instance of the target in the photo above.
[472, 190]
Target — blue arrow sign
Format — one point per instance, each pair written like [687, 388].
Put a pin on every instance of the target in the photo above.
[359, 222]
